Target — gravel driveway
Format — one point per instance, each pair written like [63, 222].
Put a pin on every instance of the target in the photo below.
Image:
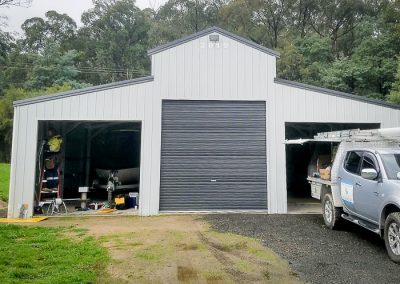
[317, 254]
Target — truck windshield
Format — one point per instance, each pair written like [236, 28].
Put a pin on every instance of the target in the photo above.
[392, 164]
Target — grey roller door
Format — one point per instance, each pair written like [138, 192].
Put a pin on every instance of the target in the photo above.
[213, 155]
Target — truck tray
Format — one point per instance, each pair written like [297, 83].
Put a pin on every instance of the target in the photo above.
[319, 180]
[316, 185]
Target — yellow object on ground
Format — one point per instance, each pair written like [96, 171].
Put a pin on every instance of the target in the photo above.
[22, 220]
[119, 200]
[106, 210]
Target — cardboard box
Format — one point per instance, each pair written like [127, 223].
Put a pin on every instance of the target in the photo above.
[323, 161]
[325, 173]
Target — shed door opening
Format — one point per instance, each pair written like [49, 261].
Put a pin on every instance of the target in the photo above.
[92, 154]
[213, 156]
[300, 157]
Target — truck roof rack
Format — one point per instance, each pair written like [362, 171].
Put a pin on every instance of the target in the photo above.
[353, 135]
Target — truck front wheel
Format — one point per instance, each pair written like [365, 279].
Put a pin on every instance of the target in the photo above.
[330, 212]
[392, 236]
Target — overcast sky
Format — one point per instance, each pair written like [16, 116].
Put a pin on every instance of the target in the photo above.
[74, 8]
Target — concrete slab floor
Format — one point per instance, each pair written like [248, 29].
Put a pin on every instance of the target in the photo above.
[304, 206]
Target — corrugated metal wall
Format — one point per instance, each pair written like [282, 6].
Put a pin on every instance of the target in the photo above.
[290, 104]
[195, 70]
[131, 103]
[213, 155]
[198, 70]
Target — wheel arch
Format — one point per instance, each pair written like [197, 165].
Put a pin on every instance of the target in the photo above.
[324, 190]
[334, 191]
[387, 209]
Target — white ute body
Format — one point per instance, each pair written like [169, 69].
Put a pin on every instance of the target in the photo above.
[364, 185]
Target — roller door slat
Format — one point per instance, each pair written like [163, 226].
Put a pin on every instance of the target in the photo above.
[213, 156]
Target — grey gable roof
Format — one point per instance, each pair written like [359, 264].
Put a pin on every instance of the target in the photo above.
[336, 93]
[209, 31]
[83, 91]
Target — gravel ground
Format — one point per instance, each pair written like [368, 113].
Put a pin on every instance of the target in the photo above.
[317, 254]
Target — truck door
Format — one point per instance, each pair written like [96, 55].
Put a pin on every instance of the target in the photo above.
[349, 170]
[367, 192]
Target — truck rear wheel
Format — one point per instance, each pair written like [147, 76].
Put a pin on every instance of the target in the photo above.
[392, 236]
[330, 212]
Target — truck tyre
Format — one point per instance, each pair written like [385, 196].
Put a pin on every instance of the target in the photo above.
[392, 236]
[330, 212]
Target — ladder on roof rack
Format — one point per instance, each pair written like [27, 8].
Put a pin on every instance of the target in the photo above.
[353, 135]
[384, 134]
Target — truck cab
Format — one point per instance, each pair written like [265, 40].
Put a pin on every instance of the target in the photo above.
[369, 184]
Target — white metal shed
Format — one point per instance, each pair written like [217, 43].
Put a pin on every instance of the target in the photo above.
[204, 83]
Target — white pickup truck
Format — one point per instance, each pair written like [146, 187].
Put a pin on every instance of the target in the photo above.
[364, 187]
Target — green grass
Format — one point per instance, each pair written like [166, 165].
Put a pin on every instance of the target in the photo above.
[48, 255]
[4, 181]
[152, 253]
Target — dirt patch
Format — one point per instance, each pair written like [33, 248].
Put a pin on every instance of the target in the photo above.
[171, 249]
[186, 274]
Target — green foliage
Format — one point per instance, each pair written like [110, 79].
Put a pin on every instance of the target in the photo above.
[394, 95]
[7, 110]
[55, 28]
[304, 59]
[236, 16]
[362, 62]
[342, 75]
[182, 17]
[347, 45]
[116, 35]
[314, 49]
[270, 17]
[4, 181]
[46, 255]
[318, 40]
[53, 68]
[5, 47]
[34, 29]
[291, 64]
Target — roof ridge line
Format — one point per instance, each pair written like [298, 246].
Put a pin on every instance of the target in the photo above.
[204, 32]
[335, 93]
[82, 91]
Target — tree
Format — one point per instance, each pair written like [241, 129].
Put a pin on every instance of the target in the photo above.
[116, 37]
[22, 3]
[272, 16]
[61, 29]
[177, 18]
[7, 110]
[236, 16]
[291, 63]
[35, 34]
[301, 16]
[304, 59]
[335, 19]
[6, 42]
[394, 95]
[55, 28]
[54, 68]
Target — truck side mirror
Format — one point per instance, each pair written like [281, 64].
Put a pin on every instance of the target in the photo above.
[370, 174]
